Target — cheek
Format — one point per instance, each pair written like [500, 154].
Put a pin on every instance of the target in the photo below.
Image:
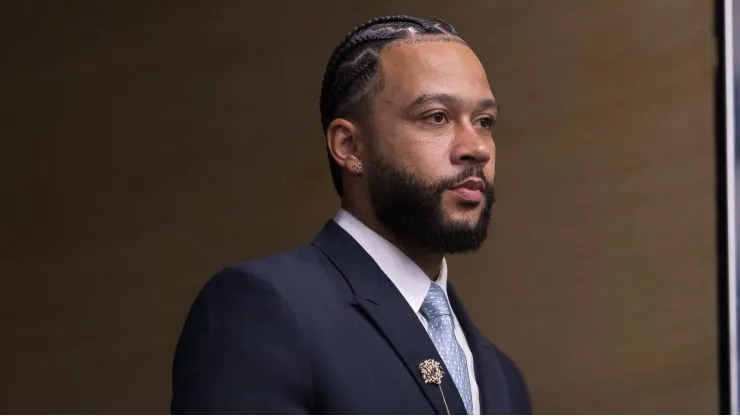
[430, 160]
[423, 154]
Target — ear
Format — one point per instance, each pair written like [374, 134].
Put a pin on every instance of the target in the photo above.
[344, 144]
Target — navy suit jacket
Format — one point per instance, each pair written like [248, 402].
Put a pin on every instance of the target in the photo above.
[322, 330]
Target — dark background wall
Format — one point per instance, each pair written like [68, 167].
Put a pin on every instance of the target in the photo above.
[148, 144]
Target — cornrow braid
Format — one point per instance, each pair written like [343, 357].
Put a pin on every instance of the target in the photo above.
[352, 68]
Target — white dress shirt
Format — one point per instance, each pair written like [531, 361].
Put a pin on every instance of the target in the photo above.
[409, 279]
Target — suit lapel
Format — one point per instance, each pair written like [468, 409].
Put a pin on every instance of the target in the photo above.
[384, 305]
[492, 386]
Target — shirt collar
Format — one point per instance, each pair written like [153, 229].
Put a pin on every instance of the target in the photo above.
[408, 278]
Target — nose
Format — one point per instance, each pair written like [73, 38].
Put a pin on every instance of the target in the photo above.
[472, 147]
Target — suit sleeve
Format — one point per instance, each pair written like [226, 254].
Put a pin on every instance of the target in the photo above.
[241, 351]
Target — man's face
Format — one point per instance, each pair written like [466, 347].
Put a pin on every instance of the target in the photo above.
[431, 159]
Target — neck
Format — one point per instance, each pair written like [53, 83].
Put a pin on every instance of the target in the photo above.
[429, 262]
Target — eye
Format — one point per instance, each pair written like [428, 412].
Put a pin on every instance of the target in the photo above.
[436, 118]
[486, 122]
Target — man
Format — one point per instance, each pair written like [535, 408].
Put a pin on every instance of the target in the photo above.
[364, 318]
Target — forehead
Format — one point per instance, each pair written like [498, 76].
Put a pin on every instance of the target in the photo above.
[428, 67]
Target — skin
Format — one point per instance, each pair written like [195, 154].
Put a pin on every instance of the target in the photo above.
[433, 116]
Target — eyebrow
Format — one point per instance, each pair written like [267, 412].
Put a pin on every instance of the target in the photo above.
[449, 99]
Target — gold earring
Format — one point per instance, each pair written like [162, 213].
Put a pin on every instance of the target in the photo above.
[356, 166]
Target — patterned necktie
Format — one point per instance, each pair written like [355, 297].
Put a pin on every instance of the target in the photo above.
[442, 332]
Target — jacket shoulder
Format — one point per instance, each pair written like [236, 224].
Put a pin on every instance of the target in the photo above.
[291, 273]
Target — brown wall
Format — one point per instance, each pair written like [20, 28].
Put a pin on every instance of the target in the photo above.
[148, 144]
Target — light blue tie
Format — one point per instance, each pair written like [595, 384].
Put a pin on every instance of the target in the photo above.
[442, 331]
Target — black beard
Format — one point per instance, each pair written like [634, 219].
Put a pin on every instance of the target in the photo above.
[412, 210]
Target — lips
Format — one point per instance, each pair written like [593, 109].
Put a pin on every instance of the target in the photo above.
[471, 190]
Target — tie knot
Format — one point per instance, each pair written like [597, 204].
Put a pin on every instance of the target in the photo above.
[435, 303]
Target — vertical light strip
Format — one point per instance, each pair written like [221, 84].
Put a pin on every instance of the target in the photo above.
[729, 91]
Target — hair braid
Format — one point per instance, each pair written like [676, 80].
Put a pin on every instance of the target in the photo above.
[350, 42]
[341, 83]
[353, 66]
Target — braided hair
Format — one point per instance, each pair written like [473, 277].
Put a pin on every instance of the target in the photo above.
[351, 76]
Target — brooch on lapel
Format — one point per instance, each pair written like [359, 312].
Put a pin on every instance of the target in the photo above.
[432, 373]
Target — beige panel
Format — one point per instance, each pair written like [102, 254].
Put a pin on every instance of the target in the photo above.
[151, 144]
[599, 279]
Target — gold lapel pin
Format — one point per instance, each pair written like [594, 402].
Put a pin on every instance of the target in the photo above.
[432, 373]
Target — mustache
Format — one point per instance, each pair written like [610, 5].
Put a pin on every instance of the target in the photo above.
[470, 171]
